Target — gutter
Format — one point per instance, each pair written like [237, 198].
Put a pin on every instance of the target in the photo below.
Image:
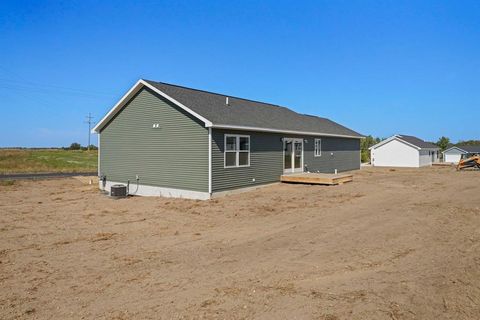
[309, 133]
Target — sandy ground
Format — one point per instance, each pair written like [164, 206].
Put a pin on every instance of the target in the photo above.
[402, 244]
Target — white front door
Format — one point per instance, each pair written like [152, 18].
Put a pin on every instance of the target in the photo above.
[292, 155]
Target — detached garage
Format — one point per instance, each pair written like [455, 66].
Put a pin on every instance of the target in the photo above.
[454, 154]
[403, 151]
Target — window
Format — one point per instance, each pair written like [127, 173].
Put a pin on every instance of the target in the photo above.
[237, 151]
[318, 147]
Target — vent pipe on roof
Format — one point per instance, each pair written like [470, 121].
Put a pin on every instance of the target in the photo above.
[226, 101]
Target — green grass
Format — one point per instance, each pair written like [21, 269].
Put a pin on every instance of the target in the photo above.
[47, 160]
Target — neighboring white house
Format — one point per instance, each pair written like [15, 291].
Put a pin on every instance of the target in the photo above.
[403, 151]
[454, 154]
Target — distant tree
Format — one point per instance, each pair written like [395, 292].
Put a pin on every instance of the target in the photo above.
[469, 142]
[443, 143]
[75, 146]
[366, 143]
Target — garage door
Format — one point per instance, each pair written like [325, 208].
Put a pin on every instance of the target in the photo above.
[452, 158]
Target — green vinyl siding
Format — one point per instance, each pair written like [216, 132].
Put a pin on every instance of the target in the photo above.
[266, 158]
[175, 155]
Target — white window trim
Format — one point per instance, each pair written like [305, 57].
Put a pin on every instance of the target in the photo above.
[315, 147]
[237, 151]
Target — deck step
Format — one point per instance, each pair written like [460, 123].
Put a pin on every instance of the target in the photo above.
[317, 178]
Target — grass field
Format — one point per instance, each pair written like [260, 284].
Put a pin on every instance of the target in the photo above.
[47, 160]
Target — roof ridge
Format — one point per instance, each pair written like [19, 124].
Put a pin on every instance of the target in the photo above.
[410, 136]
[314, 116]
[418, 142]
[217, 93]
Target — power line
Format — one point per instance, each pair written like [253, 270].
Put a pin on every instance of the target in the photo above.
[89, 121]
[16, 81]
[53, 86]
[49, 89]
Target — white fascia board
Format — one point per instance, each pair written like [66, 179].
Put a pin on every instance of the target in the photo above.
[408, 143]
[133, 90]
[244, 128]
[383, 142]
[140, 84]
[395, 137]
[454, 147]
[190, 111]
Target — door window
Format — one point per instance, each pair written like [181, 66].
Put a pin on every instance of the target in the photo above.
[292, 155]
[288, 155]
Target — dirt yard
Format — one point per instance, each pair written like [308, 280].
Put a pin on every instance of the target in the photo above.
[402, 244]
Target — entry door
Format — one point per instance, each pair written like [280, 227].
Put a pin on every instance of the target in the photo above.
[292, 155]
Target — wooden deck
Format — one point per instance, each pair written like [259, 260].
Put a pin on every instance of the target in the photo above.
[317, 178]
[443, 164]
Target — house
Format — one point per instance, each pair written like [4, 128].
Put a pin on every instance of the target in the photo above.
[454, 153]
[403, 151]
[170, 140]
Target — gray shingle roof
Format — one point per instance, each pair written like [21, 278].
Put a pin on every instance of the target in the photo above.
[469, 149]
[417, 142]
[249, 113]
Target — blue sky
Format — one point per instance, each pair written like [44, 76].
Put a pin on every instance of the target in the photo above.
[378, 67]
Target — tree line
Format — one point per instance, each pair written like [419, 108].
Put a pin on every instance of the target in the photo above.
[78, 146]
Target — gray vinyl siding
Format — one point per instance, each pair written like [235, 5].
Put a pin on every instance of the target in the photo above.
[266, 158]
[266, 161]
[175, 155]
[342, 154]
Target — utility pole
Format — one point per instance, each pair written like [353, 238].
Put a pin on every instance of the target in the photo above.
[89, 121]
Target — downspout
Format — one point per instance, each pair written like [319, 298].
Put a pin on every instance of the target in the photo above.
[210, 162]
[98, 154]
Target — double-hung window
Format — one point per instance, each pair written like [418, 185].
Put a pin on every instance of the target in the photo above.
[237, 151]
[318, 147]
